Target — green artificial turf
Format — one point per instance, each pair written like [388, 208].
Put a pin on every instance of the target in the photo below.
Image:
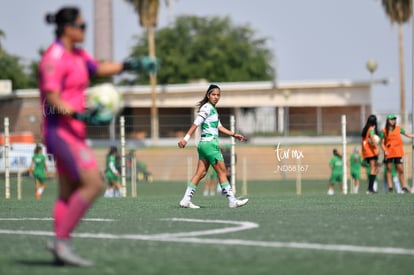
[279, 232]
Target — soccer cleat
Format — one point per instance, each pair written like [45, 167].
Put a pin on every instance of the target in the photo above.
[371, 192]
[390, 189]
[188, 204]
[405, 190]
[238, 203]
[62, 251]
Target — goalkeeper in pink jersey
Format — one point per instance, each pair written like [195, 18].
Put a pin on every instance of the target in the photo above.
[64, 73]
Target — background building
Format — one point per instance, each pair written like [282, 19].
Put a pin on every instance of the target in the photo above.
[260, 108]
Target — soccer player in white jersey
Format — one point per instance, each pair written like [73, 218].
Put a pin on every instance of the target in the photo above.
[208, 149]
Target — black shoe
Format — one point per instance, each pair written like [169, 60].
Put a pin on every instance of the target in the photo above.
[405, 190]
[371, 192]
[390, 190]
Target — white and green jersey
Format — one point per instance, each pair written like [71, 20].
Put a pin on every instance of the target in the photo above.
[209, 121]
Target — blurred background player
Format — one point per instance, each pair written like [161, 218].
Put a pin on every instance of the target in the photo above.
[355, 162]
[208, 149]
[38, 170]
[370, 150]
[336, 171]
[227, 159]
[64, 72]
[114, 188]
[392, 145]
[367, 167]
[394, 178]
[211, 182]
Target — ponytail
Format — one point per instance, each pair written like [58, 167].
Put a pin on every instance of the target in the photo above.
[64, 16]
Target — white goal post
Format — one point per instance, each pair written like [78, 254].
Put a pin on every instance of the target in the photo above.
[344, 157]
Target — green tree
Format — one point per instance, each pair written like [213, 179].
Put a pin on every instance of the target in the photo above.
[209, 48]
[2, 35]
[32, 75]
[399, 11]
[12, 68]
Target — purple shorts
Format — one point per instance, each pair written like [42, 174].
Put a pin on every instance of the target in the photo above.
[71, 153]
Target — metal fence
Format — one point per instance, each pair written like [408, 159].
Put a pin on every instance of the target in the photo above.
[271, 153]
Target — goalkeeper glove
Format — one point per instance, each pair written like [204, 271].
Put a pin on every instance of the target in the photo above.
[144, 63]
[93, 116]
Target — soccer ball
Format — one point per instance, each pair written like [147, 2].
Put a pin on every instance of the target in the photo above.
[107, 97]
[375, 139]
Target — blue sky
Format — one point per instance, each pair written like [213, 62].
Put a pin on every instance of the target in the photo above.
[311, 40]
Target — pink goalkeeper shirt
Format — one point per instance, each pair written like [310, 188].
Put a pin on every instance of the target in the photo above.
[66, 73]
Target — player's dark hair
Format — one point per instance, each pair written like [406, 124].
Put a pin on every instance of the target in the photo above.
[38, 149]
[64, 16]
[112, 150]
[387, 126]
[336, 153]
[211, 88]
[371, 121]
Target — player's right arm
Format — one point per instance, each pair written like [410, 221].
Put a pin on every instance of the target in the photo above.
[201, 117]
[183, 142]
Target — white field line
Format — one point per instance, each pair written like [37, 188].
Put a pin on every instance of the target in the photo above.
[310, 246]
[176, 237]
[50, 219]
[240, 226]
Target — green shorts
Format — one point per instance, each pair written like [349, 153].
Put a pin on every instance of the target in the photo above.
[209, 150]
[40, 177]
[111, 177]
[335, 178]
[356, 175]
